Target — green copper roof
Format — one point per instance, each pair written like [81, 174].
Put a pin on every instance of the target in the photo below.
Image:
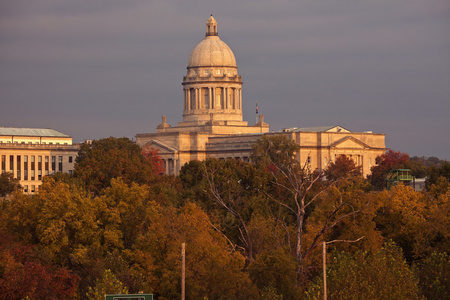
[15, 131]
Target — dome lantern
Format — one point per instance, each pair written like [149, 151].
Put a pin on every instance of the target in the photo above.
[211, 27]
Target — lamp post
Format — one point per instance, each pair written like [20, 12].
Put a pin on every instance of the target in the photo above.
[325, 262]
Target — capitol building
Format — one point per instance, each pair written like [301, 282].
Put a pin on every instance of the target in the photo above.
[213, 125]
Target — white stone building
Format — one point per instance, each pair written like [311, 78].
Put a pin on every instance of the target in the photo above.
[32, 153]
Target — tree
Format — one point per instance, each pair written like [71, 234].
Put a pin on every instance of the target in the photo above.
[435, 172]
[297, 189]
[152, 154]
[380, 275]
[213, 269]
[105, 159]
[8, 184]
[391, 160]
[434, 276]
[231, 191]
[108, 284]
[25, 271]
[342, 167]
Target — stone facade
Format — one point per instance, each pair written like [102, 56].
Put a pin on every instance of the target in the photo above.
[213, 125]
[32, 153]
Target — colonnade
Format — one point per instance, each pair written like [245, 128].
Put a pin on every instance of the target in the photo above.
[213, 98]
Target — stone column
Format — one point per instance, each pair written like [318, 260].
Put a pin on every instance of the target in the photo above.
[225, 97]
[166, 162]
[189, 98]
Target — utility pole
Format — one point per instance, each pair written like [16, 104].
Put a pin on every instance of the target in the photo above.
[183, 272]
[324, 271]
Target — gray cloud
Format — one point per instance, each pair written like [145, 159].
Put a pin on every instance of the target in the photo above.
[93, 69]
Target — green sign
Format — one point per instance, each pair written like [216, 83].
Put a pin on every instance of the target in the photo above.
[130, 297]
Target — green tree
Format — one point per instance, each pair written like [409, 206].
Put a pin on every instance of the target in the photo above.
[380, 275]
[434, 276]
[275, 268]
[8, 184]
[105, 159]
[108, 284]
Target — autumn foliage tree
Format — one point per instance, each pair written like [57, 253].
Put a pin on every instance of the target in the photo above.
[152, 154]
[26, 272]
[343, 167]
[391, 160]
[298, 191]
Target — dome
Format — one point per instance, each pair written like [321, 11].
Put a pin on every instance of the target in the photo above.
[212, 51]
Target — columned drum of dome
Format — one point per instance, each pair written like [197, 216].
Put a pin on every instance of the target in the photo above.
[212, 87]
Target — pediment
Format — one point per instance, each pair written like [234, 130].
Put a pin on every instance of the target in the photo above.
[162, 147]
[349, 142]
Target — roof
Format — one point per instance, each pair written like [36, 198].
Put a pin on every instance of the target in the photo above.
[212, 52]
[317, 129]
[47, 132]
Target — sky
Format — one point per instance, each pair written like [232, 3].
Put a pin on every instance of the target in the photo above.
[98, 68]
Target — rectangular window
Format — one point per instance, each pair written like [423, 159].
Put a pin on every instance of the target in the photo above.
[39, 174]
[3, 163]
[46, 165]
[70, 172]
[19, 167]
[39, 162]
[25, 167]
[33, 188]
[206, 97]
[70, 159]
[33, 167]
[11, 163]
[25, 188]
[60, 165]
[53, 163]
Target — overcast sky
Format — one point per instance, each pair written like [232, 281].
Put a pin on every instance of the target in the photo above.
[93, 69]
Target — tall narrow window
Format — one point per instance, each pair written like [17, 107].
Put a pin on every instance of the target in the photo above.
[60, 163]
[33, 167]
[11, 163]
[19, 167]
[206, 97]
[3, 163]
[39, 162]
[218, 98]
[192, 92]
[53, 164]
[46, 165]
